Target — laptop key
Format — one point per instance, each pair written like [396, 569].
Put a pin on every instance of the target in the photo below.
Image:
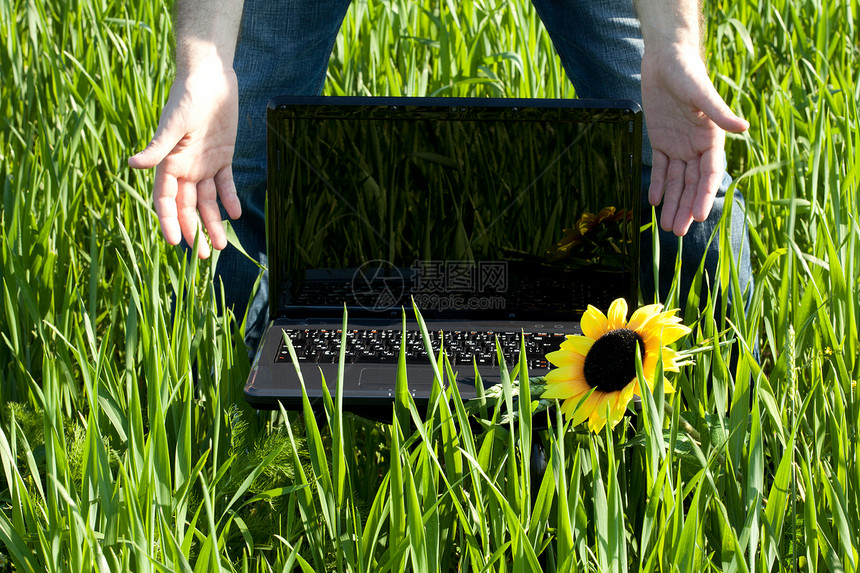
[368, 357]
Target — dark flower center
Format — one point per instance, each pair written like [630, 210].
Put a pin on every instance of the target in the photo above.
[610, 365]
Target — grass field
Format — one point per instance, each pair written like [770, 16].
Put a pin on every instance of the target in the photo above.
[114, 458]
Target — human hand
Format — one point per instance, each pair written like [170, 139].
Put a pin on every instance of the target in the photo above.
[192, 152]
[687, 120]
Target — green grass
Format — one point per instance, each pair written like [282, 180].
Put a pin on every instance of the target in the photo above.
[115, 457]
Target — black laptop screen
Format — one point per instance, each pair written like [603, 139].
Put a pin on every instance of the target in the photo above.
[469, 209]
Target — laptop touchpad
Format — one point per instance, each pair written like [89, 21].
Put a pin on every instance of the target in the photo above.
[420, 379]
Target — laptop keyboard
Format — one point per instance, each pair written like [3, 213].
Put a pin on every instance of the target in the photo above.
[383, 347]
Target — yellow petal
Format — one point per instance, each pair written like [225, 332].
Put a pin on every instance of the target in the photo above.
[605, 213]
[596, 422]
[620, 405]
[643, 315]
[601, 412]
[649, 380]
[564, 358]
[565, 389]
[585, 409]
[586, 222]
[656, 323]
[617, 314]
[569, 405]
[648, 368]
[571, 371]
[673, 332]
[611, 409]
[670, 360]
[626, 393]
[666, 334]
[593, 323]
[578, 344]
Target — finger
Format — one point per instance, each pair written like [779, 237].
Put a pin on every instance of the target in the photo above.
[684, 214]
[709, 183]
[207, 205]
[660, 164]
[713, 106]
[164, 199]
[674, 188]
[186, 207]
[169, 132]
[227, 192]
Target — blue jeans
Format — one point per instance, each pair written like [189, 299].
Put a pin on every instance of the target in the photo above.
[284, 48]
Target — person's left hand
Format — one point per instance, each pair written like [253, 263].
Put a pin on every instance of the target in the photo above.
[687, 120]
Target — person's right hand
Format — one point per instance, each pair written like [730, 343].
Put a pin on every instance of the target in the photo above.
[687, 120]
[192, 152]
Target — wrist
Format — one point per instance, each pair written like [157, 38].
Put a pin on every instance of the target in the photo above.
[202, 84]
[668, 55]
[671, 27]
[202, 61]
[206, 33]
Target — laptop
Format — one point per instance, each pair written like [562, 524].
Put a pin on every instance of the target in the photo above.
[499, 218]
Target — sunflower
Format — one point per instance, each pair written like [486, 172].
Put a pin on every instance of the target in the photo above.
[591, 234]
[596, 373]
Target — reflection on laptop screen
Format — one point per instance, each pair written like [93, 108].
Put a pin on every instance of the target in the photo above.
[515, 212]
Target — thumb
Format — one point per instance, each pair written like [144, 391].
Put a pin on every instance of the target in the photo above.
[167, 135]
[719, 112]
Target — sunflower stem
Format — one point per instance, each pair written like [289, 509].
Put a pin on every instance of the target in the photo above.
[692, 433]
[685, 425]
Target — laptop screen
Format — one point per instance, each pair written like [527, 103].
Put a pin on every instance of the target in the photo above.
[522, 209]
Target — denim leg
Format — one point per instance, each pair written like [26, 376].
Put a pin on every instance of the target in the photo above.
[600, 45]
[283, 49]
